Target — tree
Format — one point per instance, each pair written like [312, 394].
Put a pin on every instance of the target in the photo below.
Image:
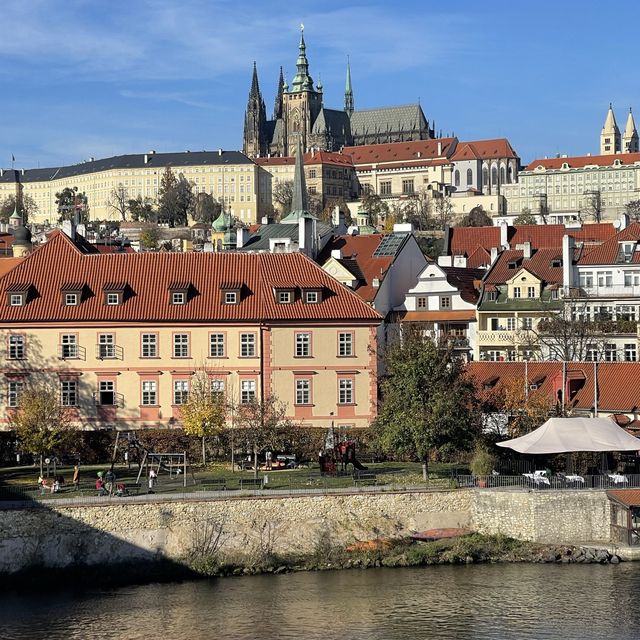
[185, 201]
[427, 403]
[282, 195]
[40, 421]
[168, 197]
[70, 203]
[526, 409]
[632, 209]
[477, 217]
[118, 201]
[526, 217]
[26, 206]
[263, 423]
[377, 208]
[206, 209]
[150, 236]
[592, 208]
[142, 209]
[204, 413]
[443, 211]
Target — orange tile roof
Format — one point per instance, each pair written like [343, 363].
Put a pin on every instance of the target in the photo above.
[360, 250]
[310, 158]
[478, 258]
[149, 275]
[627, 497]
[6, 264]
[607, 252]
[483, 149]
[398, 151]
[576, 162]
[539, 265]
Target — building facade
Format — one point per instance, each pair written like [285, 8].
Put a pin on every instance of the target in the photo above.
[299, 111]
[122, 335]
[229, 176]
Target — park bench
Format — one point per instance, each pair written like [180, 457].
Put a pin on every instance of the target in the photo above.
[215, 484]
[251, 483]
[365, 479]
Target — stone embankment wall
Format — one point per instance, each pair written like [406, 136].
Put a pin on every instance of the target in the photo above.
[129, 530]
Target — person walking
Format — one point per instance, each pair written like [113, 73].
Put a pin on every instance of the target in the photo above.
[76, 477]
[152, 480]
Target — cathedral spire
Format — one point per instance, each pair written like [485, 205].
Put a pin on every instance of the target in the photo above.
[630, 136]
[302, 80]
[278, 108]
[254, 144]
[610, 135]
[348, 91]
[255, 87]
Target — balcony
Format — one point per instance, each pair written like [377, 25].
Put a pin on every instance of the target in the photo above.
[71, 352]
[498, 337]
[611, 291]
[109, 352]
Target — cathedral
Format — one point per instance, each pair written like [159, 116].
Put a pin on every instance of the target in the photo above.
[299, 111]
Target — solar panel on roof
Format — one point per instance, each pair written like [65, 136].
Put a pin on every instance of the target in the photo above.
[390, 245]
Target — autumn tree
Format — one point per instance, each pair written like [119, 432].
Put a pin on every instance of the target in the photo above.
[204, 413]
[377, 208]
[526, 409]
[119, 201]
[150, 236]
[26, 206]
[185, 201]
[40, 422]
[427, 403]
[477, 217]
[71, 202]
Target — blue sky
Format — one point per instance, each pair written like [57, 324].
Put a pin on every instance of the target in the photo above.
[88, 78]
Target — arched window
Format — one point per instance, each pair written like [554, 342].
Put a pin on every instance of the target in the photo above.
[456, 178]
[494, 175]
[510, 174]
[485, 176]
[503, 175]
[469, 177]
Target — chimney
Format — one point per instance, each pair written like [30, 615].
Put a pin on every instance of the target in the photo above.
[219, 152]
[445, 261]
[439, 149]
[460, 262]
[1, 172]
[22, 171]
[567, 261]
[526, 251]
[504, 232]
[624, 221]
[306, 232]
[242, 235]
[146, 158]
[336, 254]
[494, 254]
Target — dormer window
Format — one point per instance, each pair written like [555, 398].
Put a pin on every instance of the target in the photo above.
[178, 297]
[16, 299]
[230, 297]
[284, 297]
[72, 293]
[71, 299]
[114, 293]
[311, 297]
[113, 299]
[17, 294]
[556, 262]
[231, 292]
[512, 265]
[179, 292]
[311, 294]
[492, 296]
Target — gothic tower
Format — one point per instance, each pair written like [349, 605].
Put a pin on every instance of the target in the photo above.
[255, 143]
[302, 103]
[630, 136]
[610, 136]
[278, 107]
[348, 92]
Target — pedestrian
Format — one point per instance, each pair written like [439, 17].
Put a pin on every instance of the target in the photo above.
[268, 457]
[109, 479]
[76, 477]
[152, 480]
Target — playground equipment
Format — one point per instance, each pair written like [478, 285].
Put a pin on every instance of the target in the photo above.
[175, 464]
[342, 454]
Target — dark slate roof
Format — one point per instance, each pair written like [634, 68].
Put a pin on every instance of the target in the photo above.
[259, 241]
[133, 161]
[407, 118]
[333, 121]
[464, 280]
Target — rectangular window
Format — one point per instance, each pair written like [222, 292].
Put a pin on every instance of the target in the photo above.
[527, 324]
[311, 297]
[149, 345]
[445, 302]
[605, 278]
[14, 389]
[303, 392]
[630, 352]
[303, 345]
[586, 280]
[385, 188]
[216, 389]
[69, 393]
[345, 391]
[69, 345]
[247, 345]
[511, 324]
[247, 391]
[345, 344]
[180, 391]
[531, 292]
[516, 292]
[16, 347]
[610, 352]
[312, 173]
[107, 395]
[15, 299]
[422, 302]
[149, 393]
[407, 187]
[113, 299]
[71, 299]
[284, 297]
[177, 297]
[230, 297]
[216, 345]
[592, 353]
[493, 296]
[180, 345]
[106, 346]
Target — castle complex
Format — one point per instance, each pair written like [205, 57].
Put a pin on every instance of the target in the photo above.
[299, 109]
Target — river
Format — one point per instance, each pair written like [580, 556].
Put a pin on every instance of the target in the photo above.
[445, 602]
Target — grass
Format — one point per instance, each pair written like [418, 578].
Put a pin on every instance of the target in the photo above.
[23, 480]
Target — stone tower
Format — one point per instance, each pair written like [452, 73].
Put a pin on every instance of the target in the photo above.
[302, 103]
[610, 136]
[630, 136]
[255, 143]
[278, 106]
[348, 92]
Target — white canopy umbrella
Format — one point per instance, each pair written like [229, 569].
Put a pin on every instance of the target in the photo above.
[563, 435]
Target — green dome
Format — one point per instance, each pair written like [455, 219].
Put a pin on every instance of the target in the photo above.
[221, 223]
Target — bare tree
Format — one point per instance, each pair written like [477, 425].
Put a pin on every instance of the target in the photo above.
[592, 208]
[119, 201]
[443, 210]
[632, 209]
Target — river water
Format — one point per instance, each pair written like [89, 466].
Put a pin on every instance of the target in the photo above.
[462, 602]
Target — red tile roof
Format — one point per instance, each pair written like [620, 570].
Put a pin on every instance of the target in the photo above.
[148, 276]
[627, 497]
[479, 258]
[6, 264]
[484, 149]
[607, 252]
[576, 162]
[310, 158]
[539, 265]
[399, 151]
[360, 250]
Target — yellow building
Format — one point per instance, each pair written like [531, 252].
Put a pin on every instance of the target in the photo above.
[122, 335]
[230, 176]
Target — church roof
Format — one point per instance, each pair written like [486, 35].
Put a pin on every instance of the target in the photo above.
[407, 118]
[484, 149]
[333, 121]
[310, 158]
[400, 151]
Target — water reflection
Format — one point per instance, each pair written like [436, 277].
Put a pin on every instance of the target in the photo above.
[494, 601]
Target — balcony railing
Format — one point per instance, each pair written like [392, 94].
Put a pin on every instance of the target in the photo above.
[609, 291]
[498, 336]
[109, 352]
[71, 352]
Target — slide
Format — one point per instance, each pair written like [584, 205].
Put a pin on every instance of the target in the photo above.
[358, 465]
